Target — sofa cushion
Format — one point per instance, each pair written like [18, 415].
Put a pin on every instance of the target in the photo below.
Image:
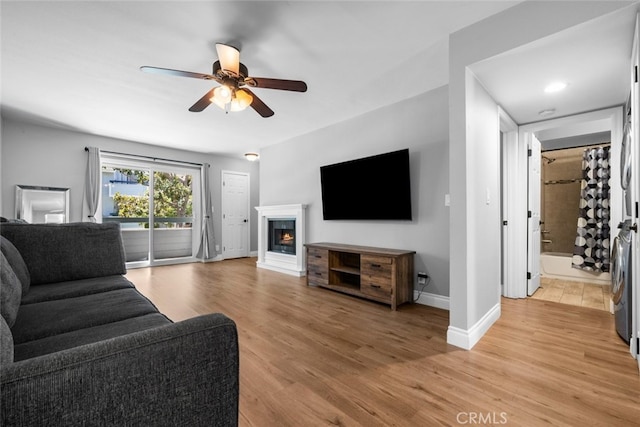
[48, 318]
[63, 252]
[6, 343]
[75, 288]
[10, 292]
[88, 335]
[17, 263]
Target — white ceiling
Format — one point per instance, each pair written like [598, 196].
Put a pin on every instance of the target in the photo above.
[76, 65]
[592, 58]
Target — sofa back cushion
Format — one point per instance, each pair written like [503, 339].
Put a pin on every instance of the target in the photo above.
[17, 263]
[63, 252]
[10, 292]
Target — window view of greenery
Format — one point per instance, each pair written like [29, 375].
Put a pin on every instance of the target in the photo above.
[172, 197]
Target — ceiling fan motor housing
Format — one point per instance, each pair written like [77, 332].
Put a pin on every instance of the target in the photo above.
[226, 74]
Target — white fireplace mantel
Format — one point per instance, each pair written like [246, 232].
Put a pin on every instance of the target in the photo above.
[285, 263]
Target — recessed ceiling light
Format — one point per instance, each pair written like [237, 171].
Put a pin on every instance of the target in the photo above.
[555, 87]
[548, 112]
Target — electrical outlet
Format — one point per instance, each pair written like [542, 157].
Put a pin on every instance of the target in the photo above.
[217, 248]
[422, 278]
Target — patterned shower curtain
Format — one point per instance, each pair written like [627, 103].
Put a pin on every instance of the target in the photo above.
[591, 252]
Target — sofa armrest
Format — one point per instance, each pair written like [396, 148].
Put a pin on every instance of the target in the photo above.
[185, 373]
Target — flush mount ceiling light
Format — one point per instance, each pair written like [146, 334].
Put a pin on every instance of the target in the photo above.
[252, 157]
[555, 87]
[548, 112]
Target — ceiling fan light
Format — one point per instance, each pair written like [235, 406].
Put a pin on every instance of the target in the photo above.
[221, 96]
[241, 100]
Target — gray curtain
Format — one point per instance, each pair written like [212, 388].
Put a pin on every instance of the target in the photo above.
[591, 251]
[207, 242]
[92, 185]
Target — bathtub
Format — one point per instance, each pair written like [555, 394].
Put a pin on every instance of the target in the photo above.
[557, 265]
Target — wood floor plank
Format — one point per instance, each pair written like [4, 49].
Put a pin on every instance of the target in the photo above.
[313, 357]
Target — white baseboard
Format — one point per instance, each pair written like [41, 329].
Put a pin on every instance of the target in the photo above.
[285, 270]
[217, 258]
[466, 339]
[253, 254]
[432, 300]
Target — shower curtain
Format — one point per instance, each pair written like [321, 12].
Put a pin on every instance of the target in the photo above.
[591, 252]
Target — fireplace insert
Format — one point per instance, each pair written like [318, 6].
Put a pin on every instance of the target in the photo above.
[282, 236]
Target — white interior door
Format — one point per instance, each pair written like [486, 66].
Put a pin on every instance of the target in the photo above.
[235, 214]
[533, 247]
[514, 203]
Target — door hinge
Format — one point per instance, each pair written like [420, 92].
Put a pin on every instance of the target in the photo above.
[636, 209]
[505, 222]
[635, 71]
[528, 275]
[529, 152]
[528, 214]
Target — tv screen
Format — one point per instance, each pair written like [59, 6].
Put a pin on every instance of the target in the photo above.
[376, 187]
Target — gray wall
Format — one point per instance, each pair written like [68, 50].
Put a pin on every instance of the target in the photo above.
[46, 156]
[290, 173]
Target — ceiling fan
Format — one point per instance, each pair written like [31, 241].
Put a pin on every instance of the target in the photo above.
[233, 94]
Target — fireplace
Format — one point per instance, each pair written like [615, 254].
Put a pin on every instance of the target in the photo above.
[282, 236]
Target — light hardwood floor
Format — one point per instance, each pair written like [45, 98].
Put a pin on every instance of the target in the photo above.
[313, 357]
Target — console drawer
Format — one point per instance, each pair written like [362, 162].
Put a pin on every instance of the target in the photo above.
[317, 275]
[374, 286]
[318, 258]
[381, 267]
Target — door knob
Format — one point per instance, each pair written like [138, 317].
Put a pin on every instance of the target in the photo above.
[244, 220]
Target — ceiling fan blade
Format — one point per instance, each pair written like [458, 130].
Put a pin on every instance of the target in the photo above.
[156, 70]
[257, 104]
[292, 85]
[202, 103]
[229, 57]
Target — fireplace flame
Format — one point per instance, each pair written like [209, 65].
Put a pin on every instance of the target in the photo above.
[286, 237]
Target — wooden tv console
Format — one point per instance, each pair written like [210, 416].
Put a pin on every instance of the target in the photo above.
[383, 275]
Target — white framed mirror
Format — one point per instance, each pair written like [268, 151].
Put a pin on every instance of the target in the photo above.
[42, 205]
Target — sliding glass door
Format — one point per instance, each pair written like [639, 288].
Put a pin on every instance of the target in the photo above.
[173, 215]
[154, 205]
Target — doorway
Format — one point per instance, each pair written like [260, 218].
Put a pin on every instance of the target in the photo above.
[575, 241]
[583, 129]
[235, 214]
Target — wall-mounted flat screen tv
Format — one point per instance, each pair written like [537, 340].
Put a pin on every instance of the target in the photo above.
[372, 188]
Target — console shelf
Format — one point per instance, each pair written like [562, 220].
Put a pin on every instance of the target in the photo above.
[378, 274]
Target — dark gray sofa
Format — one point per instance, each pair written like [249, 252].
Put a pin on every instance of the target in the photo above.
[79, 345]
